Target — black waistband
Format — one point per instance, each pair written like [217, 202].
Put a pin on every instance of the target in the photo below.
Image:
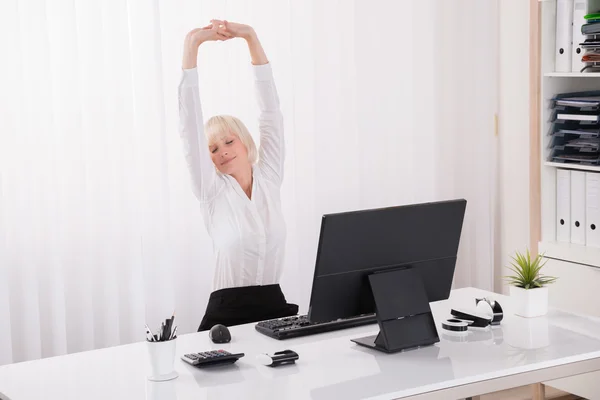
[262, 291]
[244, 304]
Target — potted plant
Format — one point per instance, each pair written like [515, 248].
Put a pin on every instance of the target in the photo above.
[528, 288]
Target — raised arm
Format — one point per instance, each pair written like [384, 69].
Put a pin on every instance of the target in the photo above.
[272, 143]
[191, 122]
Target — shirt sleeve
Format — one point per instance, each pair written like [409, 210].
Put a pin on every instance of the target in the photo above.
[205, 182]
[271, 155]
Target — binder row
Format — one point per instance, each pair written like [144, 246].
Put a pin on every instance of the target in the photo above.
[575, 130]
[577, 37]
[578, 207]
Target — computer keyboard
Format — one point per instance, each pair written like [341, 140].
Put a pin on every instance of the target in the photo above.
[296, 326]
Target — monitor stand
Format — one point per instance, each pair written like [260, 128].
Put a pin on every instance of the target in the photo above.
[403, 313]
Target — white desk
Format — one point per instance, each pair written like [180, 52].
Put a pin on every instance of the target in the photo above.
[330, 365]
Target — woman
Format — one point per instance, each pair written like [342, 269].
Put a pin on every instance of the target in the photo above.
[238, 187]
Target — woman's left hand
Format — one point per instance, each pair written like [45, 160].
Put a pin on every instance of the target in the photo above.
[234, 29]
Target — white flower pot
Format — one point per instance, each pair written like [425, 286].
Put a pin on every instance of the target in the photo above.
[529, 302]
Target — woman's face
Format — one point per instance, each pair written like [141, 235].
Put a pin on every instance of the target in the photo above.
[229, 154]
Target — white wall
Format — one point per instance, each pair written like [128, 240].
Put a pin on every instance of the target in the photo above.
[513, 139]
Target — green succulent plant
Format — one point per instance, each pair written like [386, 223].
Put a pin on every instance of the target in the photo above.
[527, 271]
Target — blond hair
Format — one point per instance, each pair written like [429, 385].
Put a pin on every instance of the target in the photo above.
[220, 125]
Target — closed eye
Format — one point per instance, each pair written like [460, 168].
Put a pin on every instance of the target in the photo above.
[214, 150]
[231, 141]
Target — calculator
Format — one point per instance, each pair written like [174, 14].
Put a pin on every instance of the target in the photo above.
[211, 357]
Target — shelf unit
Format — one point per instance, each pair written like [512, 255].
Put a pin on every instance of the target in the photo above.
[591, 168]
[572, 253]
[572, 74]
[577, 267]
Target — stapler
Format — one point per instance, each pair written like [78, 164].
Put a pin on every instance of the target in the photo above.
[477, 319]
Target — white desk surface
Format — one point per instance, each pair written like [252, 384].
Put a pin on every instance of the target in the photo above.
[330, 365]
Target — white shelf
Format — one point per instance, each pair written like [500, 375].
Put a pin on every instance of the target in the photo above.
[576, 267]
[573, 253]
[592, 168]
[573, 74]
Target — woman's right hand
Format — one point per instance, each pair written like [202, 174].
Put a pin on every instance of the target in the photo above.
[210, 32]
[196, 37]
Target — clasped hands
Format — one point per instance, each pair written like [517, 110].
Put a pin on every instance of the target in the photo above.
[219, 30]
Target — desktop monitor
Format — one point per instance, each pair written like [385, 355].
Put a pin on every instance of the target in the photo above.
[389, 261]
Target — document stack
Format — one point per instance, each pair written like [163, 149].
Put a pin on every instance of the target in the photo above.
[587, 39]
[575, 131]
[577, 37]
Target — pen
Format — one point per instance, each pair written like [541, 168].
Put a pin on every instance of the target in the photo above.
[167, 329]
[149, 335]
[170, 326]
[173, 334]
[157, 335]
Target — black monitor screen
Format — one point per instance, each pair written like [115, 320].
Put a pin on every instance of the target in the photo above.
[353, 245]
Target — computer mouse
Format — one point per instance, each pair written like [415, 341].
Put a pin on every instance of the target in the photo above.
[219, 334]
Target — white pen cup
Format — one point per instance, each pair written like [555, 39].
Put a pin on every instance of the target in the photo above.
[162, 360]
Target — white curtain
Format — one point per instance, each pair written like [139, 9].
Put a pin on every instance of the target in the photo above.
[385, 103]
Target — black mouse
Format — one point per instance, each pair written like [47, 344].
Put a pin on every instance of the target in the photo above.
[219, 334]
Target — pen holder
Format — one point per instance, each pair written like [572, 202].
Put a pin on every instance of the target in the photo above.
[162, 360]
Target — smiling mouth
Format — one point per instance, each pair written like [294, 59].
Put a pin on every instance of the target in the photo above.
[228, 161]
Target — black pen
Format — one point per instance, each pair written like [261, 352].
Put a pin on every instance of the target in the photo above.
[173, 336]
[166, 337]
[171, 325]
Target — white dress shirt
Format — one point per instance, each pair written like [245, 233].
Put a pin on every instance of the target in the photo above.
[248, 233]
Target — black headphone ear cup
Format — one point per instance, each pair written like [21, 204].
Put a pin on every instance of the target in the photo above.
[455, 325]
[498, 314]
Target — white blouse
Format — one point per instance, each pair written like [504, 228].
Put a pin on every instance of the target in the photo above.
[248, 234]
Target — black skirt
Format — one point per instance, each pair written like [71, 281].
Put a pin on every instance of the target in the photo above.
[246, 304]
